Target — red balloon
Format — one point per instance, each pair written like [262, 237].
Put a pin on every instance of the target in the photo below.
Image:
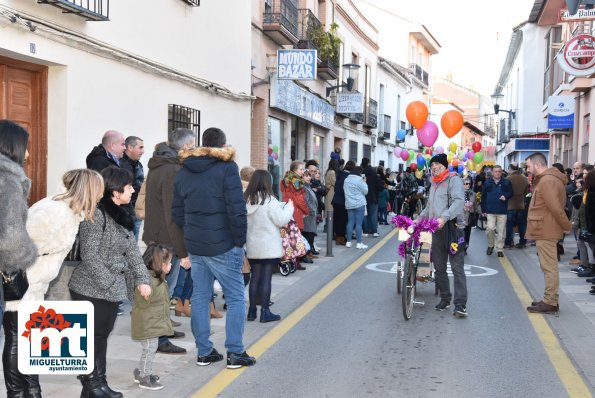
[476, 146]
[429, 151]
[413, 166]
[270, 151]
[417, 114]
[451, 123]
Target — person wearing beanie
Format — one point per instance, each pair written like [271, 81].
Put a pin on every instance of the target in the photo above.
[446, 203]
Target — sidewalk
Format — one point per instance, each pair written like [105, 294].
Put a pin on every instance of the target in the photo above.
[575, 324]
[179, 373]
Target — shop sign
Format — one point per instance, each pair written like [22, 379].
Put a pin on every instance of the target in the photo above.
[296, 64]
[350, 103]
[580, 16]
[291, 98]
[560, 112]
[577, 58]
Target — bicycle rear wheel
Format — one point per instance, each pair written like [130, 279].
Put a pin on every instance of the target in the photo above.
[408, 287]
[399, 277]
[405, 208]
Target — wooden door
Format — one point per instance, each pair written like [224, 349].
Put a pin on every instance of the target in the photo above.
[23, 99]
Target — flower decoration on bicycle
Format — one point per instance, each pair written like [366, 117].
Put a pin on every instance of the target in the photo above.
[414, 229]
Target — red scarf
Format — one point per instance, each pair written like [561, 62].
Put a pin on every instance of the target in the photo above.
[441, 177]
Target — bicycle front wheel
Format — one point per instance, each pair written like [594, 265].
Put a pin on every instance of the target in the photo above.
[408, 287]
[405, 208]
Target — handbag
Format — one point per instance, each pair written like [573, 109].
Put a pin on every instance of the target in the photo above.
[292, 241]
[75, 252]
[14, 285]
[586, 236]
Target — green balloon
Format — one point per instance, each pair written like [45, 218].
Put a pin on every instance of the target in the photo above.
[478, 157]
[275, 149]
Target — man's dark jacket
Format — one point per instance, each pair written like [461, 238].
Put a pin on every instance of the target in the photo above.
[136, 168]
[374, 185]
[208, 201]
[159, 195]
[490, 202]
[99, 159]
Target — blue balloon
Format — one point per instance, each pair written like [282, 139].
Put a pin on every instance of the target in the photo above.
[451, 168]
[401, 134]
[460, 168]
[421, 162]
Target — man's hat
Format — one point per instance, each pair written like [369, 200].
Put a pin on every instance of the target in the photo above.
[440, 158]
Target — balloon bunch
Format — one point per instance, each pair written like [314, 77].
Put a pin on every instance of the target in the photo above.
[273, 153]
[470, 159]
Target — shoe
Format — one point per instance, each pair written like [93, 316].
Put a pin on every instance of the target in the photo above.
[137, 377]
[175, 323]
[442, 305]
[460, 311]
[361, 246]
[251, 314]
[315, 252]
[169, 348]
[214, 313]
[347, 244]
[214, 356]
[578, 269]
[490, 251]
[149, 383]
[588, 273]
[172, 303]
[299, 266]
[592, 292]
[500, 254]
[520, 246]
[311, 256]
[307, 260]
[120, 310]
[574, 261]
[340, 240]
[182, 308]
[576, 258]
[508, 246]
[590, 280]
[543, 308]
[267, 316]
[177, 335]
[376, 234]
[236, 361]
[365, 235]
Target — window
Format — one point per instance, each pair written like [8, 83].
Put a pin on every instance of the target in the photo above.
[181, 116]
[367, 152]
[355, 60]
[586, 129]
[353, 151]
[275, 152]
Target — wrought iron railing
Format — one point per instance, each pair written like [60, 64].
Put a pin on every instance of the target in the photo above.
[284, 13]
[419, 73]
[371, 114]
[92, 10]
[309, 27]
[184, 117]
[386, 125]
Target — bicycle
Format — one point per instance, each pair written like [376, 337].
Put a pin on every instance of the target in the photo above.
[411, 250]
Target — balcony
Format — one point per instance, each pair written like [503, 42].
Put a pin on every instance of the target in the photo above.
[280, 22]
[384, 132]
[419, 73]
[371, 113]
[356, 118]
[91, 10]
[312, 36]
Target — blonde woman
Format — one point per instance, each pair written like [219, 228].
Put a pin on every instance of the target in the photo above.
[52, 224]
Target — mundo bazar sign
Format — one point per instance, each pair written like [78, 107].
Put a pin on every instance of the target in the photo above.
[577, 58]
[296, 64]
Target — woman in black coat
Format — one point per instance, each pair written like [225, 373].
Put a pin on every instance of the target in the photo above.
[340, 213]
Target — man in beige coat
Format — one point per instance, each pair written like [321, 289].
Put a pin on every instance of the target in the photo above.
[547, 221]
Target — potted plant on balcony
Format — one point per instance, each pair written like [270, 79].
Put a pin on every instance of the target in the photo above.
[327, 44]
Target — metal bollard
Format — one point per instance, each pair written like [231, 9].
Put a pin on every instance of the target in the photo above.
[329, 233]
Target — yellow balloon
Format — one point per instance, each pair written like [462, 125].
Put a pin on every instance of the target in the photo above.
[418, 174]
[453, 147]
[470, 164]
[428, 156]
[449, 157]
[478, 168]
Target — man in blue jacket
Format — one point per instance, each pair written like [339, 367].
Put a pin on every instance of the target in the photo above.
[209, 205]
[494, 203]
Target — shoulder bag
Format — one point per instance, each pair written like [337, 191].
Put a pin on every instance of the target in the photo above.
[14, 285]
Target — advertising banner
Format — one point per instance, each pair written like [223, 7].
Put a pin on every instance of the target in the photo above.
[350, 103]
[296, 64]
[560, 111]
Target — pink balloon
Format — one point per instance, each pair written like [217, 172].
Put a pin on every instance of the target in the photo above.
[405, 155]
[439, 149]
[428, 134]
[397, 151]
[470, 154]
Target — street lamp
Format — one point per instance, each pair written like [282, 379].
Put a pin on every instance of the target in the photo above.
[352, 71]
[497, 100]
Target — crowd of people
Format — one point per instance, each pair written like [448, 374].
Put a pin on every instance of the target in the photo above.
[207, 222]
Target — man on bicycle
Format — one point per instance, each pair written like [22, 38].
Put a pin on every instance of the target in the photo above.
[409, 190]
[446, 203]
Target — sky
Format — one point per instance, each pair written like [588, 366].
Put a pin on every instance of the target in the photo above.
[474, 35]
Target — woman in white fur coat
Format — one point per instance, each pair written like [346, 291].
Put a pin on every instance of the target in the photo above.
[263, 240]
[52, 224]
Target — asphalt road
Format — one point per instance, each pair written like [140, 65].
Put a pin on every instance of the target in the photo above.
[356, 343]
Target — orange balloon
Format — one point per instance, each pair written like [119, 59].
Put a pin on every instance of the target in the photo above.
[417, 114]
[455, 162]
[451, 123]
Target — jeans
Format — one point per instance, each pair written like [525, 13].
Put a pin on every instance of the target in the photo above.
[519, 218]
[183, 288]
[371, 222]
[382, 215]
[172, 277]
[227, 268]
[354, 219]
[441, 255]
[148, 355]
[137, 224]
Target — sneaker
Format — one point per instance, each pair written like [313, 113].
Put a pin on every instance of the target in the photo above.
[236, 361]
[574, 261]
[587, 273]
[361, 246]
[137, 377]
[442, 305]
[150, 383]
[376, 235]
[120, 310]
[365, 235]
[214, 356]
[347, 244]
[460, 311]
[577, 269]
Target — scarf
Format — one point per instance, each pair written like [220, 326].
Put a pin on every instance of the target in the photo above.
[441, 177]
[292, 179]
